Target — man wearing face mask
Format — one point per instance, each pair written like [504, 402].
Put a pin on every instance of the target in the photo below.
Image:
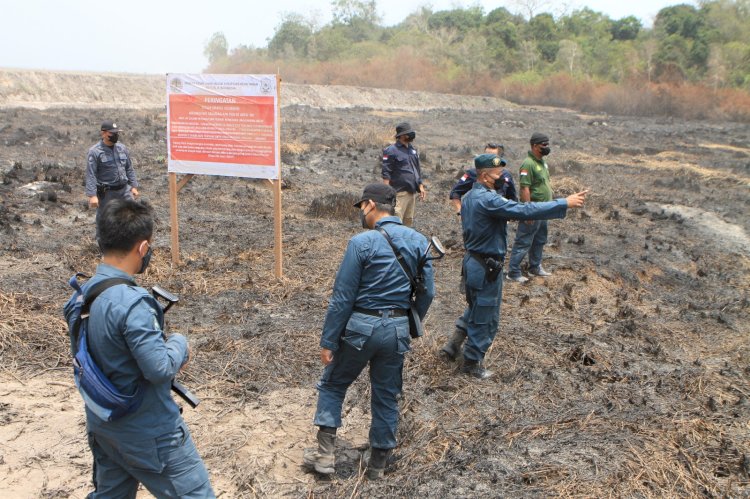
[484, 217]
[531, 236]
[151, 445]
[400, 170]
[505, 186]
[109, 170]
[367, 323]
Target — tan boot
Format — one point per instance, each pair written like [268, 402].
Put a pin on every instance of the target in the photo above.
[322, 458]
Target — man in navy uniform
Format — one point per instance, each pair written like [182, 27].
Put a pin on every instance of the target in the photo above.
[400, 170]
[484, 216]
[367, 323]
[109, 170]
[506, 187]
[152, 445]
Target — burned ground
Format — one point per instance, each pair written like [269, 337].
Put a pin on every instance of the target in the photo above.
[626, 373]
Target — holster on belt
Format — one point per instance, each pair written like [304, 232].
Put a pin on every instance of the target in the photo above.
[492, 266]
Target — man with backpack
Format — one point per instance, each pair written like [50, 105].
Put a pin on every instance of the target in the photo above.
[149, 442]
[368, 323]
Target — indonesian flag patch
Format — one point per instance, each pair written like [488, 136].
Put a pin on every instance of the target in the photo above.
[524, 173]
[465, 177]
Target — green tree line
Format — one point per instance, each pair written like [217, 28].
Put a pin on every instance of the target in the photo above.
[468, 50]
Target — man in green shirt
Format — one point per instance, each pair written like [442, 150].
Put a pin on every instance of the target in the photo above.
[531, 235]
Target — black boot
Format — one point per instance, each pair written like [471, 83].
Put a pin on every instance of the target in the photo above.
[322, 458]
[376, 463]
[452, 348]
[474, 368]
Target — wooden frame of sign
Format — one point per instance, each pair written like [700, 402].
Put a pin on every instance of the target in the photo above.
[175, 187]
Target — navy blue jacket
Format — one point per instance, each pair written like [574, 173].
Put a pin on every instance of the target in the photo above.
[505, 186]
[370, 277]
[108, 166]
[401, 167]
[127, 342]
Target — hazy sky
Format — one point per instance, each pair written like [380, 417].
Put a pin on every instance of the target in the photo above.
[161, 36]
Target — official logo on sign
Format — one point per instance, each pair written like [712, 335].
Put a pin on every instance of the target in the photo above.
[176, 85]
[265, 86]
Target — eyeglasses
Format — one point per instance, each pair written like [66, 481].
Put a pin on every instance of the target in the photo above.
[492, 145]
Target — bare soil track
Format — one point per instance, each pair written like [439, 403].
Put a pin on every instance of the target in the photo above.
[627, 373]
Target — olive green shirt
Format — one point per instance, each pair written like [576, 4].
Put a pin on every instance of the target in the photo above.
[535, 175]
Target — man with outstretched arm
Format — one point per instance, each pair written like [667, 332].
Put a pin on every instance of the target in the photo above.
[484, 216]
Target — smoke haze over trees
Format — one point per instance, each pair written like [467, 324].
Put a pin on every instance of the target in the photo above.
[694, 61]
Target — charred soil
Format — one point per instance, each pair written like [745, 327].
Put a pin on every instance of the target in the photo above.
[626, 373]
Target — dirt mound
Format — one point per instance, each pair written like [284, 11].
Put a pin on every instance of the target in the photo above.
[48, 89]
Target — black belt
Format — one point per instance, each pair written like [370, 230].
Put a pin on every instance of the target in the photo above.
[484, 256]
[116, 187]
[393, 312]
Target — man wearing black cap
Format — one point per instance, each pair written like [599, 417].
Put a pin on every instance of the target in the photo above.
[505, 186]
[367, 323]
[531, 236]
[401, 171]
[109, 171]
[484, 215]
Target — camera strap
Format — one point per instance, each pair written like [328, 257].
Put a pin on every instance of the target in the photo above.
[400, 259]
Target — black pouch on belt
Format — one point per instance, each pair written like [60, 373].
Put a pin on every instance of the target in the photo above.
[492, 267]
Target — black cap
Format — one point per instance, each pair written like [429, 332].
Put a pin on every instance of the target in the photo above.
[538, 138]
[403, 129]
[110, 126]
[378, 192]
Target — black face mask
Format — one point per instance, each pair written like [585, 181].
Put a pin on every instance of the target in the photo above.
[499, 183]
[114, 138]
[146, 260]
[363, 218]
[544, 151]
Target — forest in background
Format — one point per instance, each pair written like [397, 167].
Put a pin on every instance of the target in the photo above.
[694, 62]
